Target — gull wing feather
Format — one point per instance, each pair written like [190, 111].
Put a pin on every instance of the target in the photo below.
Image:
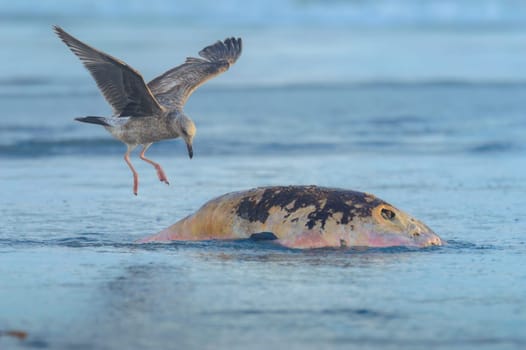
[121, 85]
[173, 87]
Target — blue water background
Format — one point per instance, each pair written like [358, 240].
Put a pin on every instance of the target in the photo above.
[422, 103]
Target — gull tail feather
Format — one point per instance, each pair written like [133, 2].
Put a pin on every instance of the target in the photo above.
[93, 120]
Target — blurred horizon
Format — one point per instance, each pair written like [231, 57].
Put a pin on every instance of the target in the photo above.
[289, 42]
[366, 13]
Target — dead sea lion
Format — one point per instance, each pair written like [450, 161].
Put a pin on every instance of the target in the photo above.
[302, 217]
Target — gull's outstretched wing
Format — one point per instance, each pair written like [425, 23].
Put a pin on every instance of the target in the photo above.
[121, 85]
[173, 88]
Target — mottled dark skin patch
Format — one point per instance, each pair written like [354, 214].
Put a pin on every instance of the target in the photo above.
[327, 202]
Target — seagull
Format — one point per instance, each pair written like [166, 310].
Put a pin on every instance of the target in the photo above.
[147, 113]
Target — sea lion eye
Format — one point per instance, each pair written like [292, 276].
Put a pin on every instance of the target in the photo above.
[387, 214]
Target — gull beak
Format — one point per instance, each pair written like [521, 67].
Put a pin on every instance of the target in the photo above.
[190, 150]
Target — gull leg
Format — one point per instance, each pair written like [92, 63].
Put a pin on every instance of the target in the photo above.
[135, 175]
[160, 172]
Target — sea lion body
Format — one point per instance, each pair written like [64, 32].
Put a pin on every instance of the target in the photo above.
[302, 217]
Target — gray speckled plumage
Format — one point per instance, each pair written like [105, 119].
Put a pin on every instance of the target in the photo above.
[174, 87]
[146, 113]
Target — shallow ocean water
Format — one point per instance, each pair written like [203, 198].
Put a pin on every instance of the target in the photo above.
[433, 141]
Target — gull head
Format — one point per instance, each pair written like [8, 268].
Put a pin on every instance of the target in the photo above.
[186, 129]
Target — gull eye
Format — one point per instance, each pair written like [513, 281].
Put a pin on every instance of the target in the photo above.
[387, 214]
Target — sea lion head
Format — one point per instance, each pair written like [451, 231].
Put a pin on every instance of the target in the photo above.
[388, 226]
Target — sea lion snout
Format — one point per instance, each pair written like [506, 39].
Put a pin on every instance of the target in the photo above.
[426, 238]
[423, 234]
[435, 241]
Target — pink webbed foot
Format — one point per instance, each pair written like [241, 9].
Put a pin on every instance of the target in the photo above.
[160, 172]
[135, 184]
[161, 175]
[135, 175]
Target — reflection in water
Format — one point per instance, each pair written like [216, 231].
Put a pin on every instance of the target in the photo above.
[241, 294]
[205, 293]
[145, 305]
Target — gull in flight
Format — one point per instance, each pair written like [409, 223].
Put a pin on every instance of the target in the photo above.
[147, 113]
